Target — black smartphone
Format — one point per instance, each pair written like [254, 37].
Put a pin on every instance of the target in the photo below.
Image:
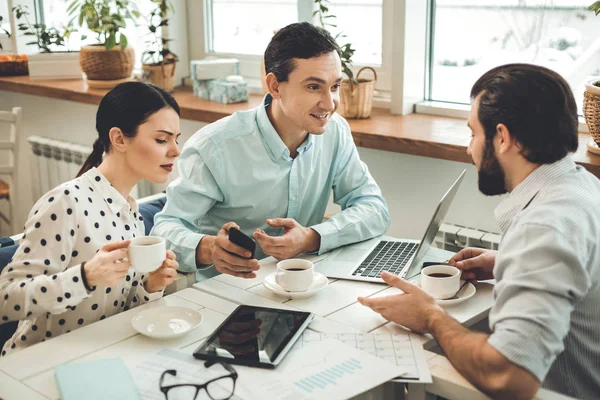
[241, 239]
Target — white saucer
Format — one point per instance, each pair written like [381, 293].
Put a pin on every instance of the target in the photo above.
[464, 294]
[166, 322]
[319, 283]
[592, 146]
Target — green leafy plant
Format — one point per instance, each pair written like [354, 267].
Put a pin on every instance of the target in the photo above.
[45, 37]
[7, 33]
[159, 51]
[106, 18]
[347, 51]
[596, 9]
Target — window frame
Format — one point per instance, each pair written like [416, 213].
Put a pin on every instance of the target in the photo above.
[446, 108]
[250, 64]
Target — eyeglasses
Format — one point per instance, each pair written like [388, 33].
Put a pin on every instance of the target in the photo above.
[220, 388]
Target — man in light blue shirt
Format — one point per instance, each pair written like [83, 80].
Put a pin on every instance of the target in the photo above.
[270, 171]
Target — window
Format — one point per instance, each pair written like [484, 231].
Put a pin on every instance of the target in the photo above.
[54, 13]
[470, 37]
[361, 23]
[245, 27]
[5, 24]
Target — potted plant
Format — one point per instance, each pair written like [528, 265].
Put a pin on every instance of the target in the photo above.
[591, 103]
[111, 59]
[50, 62]
[10, 64]
[158, 62]
[356, 94]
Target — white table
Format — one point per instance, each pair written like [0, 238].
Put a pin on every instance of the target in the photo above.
[338, 311]
[29, 373]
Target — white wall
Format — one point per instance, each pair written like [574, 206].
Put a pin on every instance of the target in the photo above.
[412, 185]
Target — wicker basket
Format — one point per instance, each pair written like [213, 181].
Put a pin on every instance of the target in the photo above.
[356, 100]
[13, 65]
[591, 110]
[161, 75]
[101, 64]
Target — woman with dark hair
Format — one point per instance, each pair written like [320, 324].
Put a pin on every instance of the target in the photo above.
[71, 269]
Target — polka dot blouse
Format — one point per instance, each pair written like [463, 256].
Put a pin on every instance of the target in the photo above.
[42, 286]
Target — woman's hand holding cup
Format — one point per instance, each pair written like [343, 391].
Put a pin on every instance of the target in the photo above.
[164, 275]
[109, 265]
[146, 254]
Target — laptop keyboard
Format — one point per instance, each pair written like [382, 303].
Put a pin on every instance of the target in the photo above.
[386, 256]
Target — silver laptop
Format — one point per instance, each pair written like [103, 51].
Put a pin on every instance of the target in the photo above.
[365, 261]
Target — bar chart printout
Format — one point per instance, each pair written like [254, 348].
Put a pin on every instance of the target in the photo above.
[330, 376]
[326, 369]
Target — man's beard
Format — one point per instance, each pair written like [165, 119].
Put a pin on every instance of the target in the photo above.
[491, 175]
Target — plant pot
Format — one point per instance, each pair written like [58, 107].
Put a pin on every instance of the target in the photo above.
[161, 75]
[98, 63]
[13, 65]
[59, 65]
[356, 99]
[591, 108]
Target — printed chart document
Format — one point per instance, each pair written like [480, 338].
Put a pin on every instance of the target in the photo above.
[327, 369]
[404, 350]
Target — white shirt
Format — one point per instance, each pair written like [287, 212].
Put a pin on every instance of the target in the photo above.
[546, 314]
[42, 287]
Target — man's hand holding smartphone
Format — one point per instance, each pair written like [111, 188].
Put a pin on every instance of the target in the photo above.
[228, 257]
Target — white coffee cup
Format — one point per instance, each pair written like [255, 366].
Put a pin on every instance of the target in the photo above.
[295, 274]
[440, 287]
[147, 253]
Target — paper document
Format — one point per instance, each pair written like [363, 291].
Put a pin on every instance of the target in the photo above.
[319, 366]
[405, 350]
[146, 376]
[327, 369]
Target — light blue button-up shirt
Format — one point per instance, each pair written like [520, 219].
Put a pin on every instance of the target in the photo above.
[238, 169]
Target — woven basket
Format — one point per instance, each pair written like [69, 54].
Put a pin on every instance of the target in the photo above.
[161, 75]
[101, 64]
[13, 65]
[356, 100]
[591, 112]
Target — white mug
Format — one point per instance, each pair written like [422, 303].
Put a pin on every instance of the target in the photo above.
[440, 287]
[147, 253]
[295, 274]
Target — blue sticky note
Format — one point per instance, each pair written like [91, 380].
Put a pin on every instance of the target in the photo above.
[95, 380]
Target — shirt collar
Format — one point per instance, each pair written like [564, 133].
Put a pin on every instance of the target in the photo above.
[116, 202]
[274, 143]
[525, 191]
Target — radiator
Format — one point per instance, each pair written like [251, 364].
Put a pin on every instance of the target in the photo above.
[55, 161]
[456, 237]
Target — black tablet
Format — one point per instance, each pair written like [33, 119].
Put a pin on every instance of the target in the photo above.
[255, 336]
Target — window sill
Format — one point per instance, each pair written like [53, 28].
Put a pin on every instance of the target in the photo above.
[423, 135]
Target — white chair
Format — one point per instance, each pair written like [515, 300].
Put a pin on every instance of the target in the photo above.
[10, 145]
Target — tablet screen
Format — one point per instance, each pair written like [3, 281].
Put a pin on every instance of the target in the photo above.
[255, 336]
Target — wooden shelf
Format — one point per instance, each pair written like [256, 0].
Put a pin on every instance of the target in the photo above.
[417, 134]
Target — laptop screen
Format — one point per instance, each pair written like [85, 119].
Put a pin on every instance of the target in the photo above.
[433, 227]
